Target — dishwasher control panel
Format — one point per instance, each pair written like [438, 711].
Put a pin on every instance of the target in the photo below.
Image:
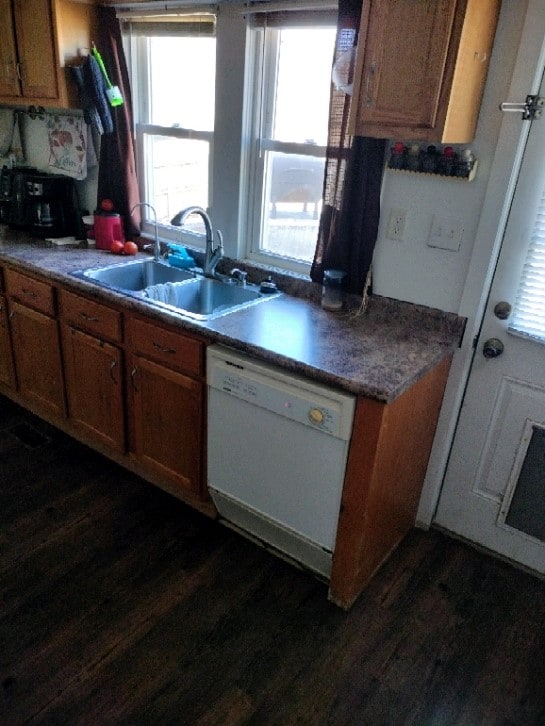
[290, 396]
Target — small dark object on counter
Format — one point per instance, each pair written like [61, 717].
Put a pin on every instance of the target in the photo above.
[268, 286]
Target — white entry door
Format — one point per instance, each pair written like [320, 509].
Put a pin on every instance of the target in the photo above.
[494, 489]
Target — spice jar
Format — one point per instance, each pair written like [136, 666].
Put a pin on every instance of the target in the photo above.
[332, 289]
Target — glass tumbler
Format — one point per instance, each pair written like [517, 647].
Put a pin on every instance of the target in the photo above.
[332, 289]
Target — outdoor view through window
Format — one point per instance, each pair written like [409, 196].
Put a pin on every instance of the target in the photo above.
[298, 114]
[290, 132]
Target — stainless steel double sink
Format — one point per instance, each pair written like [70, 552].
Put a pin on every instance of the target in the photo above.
[183, 291]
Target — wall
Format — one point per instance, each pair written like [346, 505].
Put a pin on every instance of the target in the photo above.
[410, 269]
[35, 142]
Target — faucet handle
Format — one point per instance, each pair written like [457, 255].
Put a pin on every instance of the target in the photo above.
[239, 275]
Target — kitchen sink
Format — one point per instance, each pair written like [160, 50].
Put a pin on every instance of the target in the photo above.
[203, 298]
[182, 291]
[136, 275]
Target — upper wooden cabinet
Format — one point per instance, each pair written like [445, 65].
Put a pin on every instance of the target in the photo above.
[421, 67]
[38, 40]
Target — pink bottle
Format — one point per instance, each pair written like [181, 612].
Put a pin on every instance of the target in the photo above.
[108, 227]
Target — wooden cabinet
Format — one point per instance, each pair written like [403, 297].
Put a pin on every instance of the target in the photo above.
[93, 369]
[35, 343]
[38, 40]
[167, 404]
[387, 462]
[421, 68]
[7, 373]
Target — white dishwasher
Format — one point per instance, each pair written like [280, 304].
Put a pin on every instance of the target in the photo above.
[277, 450]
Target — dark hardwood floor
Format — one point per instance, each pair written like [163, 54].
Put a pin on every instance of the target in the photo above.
[119, 605]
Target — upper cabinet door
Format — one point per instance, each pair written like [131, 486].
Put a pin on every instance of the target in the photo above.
[36, 44]
[9, 79]
[421, 68]
[39, 39]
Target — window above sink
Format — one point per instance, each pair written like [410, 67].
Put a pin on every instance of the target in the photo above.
[244, 134]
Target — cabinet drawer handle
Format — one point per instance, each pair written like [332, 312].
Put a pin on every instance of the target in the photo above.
[112, 367]
[160, 348]
[89, 318]
[18, 70]
[27, 292]
[133, 378]
[370, 74]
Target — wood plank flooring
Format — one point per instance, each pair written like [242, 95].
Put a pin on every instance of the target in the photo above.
[119, 605]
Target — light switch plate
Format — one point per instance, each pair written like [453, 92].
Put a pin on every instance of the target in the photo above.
[446, 233]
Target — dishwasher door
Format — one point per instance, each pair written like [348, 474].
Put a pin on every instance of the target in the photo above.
[277, 450]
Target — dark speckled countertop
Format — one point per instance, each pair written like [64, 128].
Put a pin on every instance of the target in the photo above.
[378, 354]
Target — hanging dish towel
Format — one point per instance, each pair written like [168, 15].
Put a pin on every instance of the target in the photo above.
[67, 145]
[92, 94]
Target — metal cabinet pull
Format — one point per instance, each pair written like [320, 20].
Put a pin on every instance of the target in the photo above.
[159, 347]
[112, 367]
[133, 378]
[89, 318]
[28, 293]
[370, 74]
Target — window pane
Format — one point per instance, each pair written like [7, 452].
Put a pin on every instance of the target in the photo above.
[303, 85]
[292, 200]
[177, 172]
[182, 81]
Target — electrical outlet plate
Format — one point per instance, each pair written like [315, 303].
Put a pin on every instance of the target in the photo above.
[446, 233]
[396, 224]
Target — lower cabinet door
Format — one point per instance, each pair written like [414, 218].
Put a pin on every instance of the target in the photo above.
[93, 374]
[167, 418]
[37, 357]
[7, 375]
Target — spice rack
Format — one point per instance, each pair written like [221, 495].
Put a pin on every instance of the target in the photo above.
[447, 163]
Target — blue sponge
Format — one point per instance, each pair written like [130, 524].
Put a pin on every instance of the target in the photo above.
[178, 256]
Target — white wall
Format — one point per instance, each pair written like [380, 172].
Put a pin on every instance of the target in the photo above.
[410, 269]
[36, 149]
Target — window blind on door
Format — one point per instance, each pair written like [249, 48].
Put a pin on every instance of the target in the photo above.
[528, 317]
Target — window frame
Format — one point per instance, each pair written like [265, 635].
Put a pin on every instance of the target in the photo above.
[264, 45]
[137, 49]
[235, 171]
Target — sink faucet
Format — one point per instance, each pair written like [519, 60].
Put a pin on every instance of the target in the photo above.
[156, 243]
[211, 256]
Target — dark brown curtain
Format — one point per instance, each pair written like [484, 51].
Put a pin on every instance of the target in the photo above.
[117, 162]
[353, 177]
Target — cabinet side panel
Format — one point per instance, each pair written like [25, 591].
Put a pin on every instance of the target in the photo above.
[381, 498]
[471, 70]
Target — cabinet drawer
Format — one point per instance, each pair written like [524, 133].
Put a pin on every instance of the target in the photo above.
[92, 317]
[31, 292]
[167, 346]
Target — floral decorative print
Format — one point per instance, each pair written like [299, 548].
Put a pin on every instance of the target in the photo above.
[67, 145]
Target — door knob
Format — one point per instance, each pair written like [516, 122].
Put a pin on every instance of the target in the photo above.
[502, 310]
[492, 348]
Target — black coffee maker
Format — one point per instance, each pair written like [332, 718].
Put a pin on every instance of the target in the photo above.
[13, 196]
[52, 207]
[46, 205]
